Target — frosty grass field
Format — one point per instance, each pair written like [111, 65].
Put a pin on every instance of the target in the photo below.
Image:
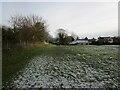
[71, 67]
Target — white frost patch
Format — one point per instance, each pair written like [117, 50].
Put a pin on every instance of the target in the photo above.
[49, 72]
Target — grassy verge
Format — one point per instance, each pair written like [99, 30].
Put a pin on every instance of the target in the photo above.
[12, 62]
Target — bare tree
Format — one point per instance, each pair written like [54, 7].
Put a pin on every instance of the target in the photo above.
[30, 28]
[63, 37]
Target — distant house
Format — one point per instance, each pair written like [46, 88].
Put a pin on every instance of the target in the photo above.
[105, 40]
[116, 40]
[79, 42]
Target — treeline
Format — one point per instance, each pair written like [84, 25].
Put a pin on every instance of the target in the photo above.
[29, 31]
[24, 31]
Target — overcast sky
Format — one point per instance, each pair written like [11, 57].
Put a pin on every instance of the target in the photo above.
[91, 19]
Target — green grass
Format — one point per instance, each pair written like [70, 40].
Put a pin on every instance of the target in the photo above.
[0, 68]
[94, 56]
[13, 62]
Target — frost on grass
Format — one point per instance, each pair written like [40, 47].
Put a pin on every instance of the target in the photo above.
[50, 72]
[75, 67]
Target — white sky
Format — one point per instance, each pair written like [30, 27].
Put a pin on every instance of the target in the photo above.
[91, 19]
[60, 0]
